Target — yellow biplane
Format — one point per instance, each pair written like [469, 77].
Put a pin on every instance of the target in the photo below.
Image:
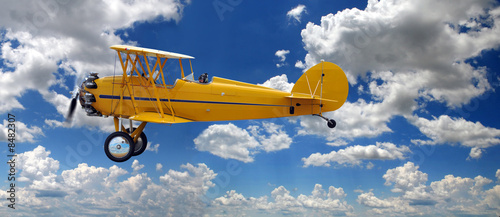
[142, 94]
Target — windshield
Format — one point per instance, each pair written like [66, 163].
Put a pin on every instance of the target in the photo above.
[190, 77]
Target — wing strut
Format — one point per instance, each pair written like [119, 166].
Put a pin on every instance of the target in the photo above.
[154, 86]
[182, 69]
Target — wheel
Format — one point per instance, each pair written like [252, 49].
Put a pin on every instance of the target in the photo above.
[141, 144]
[119, 146]
[331, 123]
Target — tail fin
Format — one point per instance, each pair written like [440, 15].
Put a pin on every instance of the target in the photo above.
[325, 82]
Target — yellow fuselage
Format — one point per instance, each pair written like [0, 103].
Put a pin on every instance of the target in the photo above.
[220, 100]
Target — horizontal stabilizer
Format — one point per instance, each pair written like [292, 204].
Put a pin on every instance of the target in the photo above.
[305, 96]
[300, 96]
[154, 117]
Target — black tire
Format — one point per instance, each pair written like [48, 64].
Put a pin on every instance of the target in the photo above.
[115, 143]
[141, 144]
[331, 123]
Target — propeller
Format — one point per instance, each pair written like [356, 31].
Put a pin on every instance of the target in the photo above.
[72, 105]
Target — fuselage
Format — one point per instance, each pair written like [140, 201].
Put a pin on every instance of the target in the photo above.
[220, 100]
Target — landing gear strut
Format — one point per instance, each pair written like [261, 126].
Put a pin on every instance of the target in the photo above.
[330, 122]
[140, 144]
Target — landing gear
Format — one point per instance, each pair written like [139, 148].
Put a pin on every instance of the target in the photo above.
[141, 143]
[330, 122]
[125, 143]
[119, 146]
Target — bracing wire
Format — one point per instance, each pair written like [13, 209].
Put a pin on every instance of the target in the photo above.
[113, 86]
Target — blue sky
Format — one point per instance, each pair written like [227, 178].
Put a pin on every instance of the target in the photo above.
[418, 135]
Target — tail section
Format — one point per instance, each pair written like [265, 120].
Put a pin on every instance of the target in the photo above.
[325, 83]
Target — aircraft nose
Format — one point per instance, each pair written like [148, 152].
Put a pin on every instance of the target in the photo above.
[89, 81]
[86, 98]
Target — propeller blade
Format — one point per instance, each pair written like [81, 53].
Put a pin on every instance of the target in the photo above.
[72, 107]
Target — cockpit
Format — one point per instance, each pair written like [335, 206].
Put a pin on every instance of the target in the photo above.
[203, 79]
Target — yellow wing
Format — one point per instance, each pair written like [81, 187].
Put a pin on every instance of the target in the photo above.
[149, 52]
[155, 117]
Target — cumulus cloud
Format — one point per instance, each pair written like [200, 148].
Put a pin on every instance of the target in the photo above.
[318, 203]
[386, 36]
[281, 54]
[448, 130]
[227, 141]
[403, 67]
[37, 169]
[42, 46]
[368, 199]
[136, 166]
[159, 166]
[279, 82]
[354, 155]
[405, 178]
[475, 153]
[231, 142]
[91, 190]
[24, 133]
[85, 177]
[299, 64]
[354, 120]
[447, 196]
[276, 138]
[153, 148]
[296, 12]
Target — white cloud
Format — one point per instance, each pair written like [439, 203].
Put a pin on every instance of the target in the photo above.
[114, 173]
[231, 142]
[318, 203]
[279, 82]
[296, 12]
[338, 143]
[153, 148]
[406, 68]
[354, 155]
[276, 140]
[159, 166]
[90, 190]
[136, 166]
[281, 54]
[498, 175]
[368, 199]
[41, 39]
[37, 169]
[405, 178]
[445, 197]
[23, 133]
[492, 198]
[98, 191]
[370, 165]
[387, 36]
[299, 64]
[359, 119]
[448, 130]
[475, 153]
[227, 141]
[85, 177]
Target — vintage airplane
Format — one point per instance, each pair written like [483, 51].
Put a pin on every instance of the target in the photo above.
[141, 94]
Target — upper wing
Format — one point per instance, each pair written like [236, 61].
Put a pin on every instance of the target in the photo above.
[149, 52]
[154, 117]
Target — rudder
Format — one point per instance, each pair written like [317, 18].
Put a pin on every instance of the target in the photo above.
[331, 89]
